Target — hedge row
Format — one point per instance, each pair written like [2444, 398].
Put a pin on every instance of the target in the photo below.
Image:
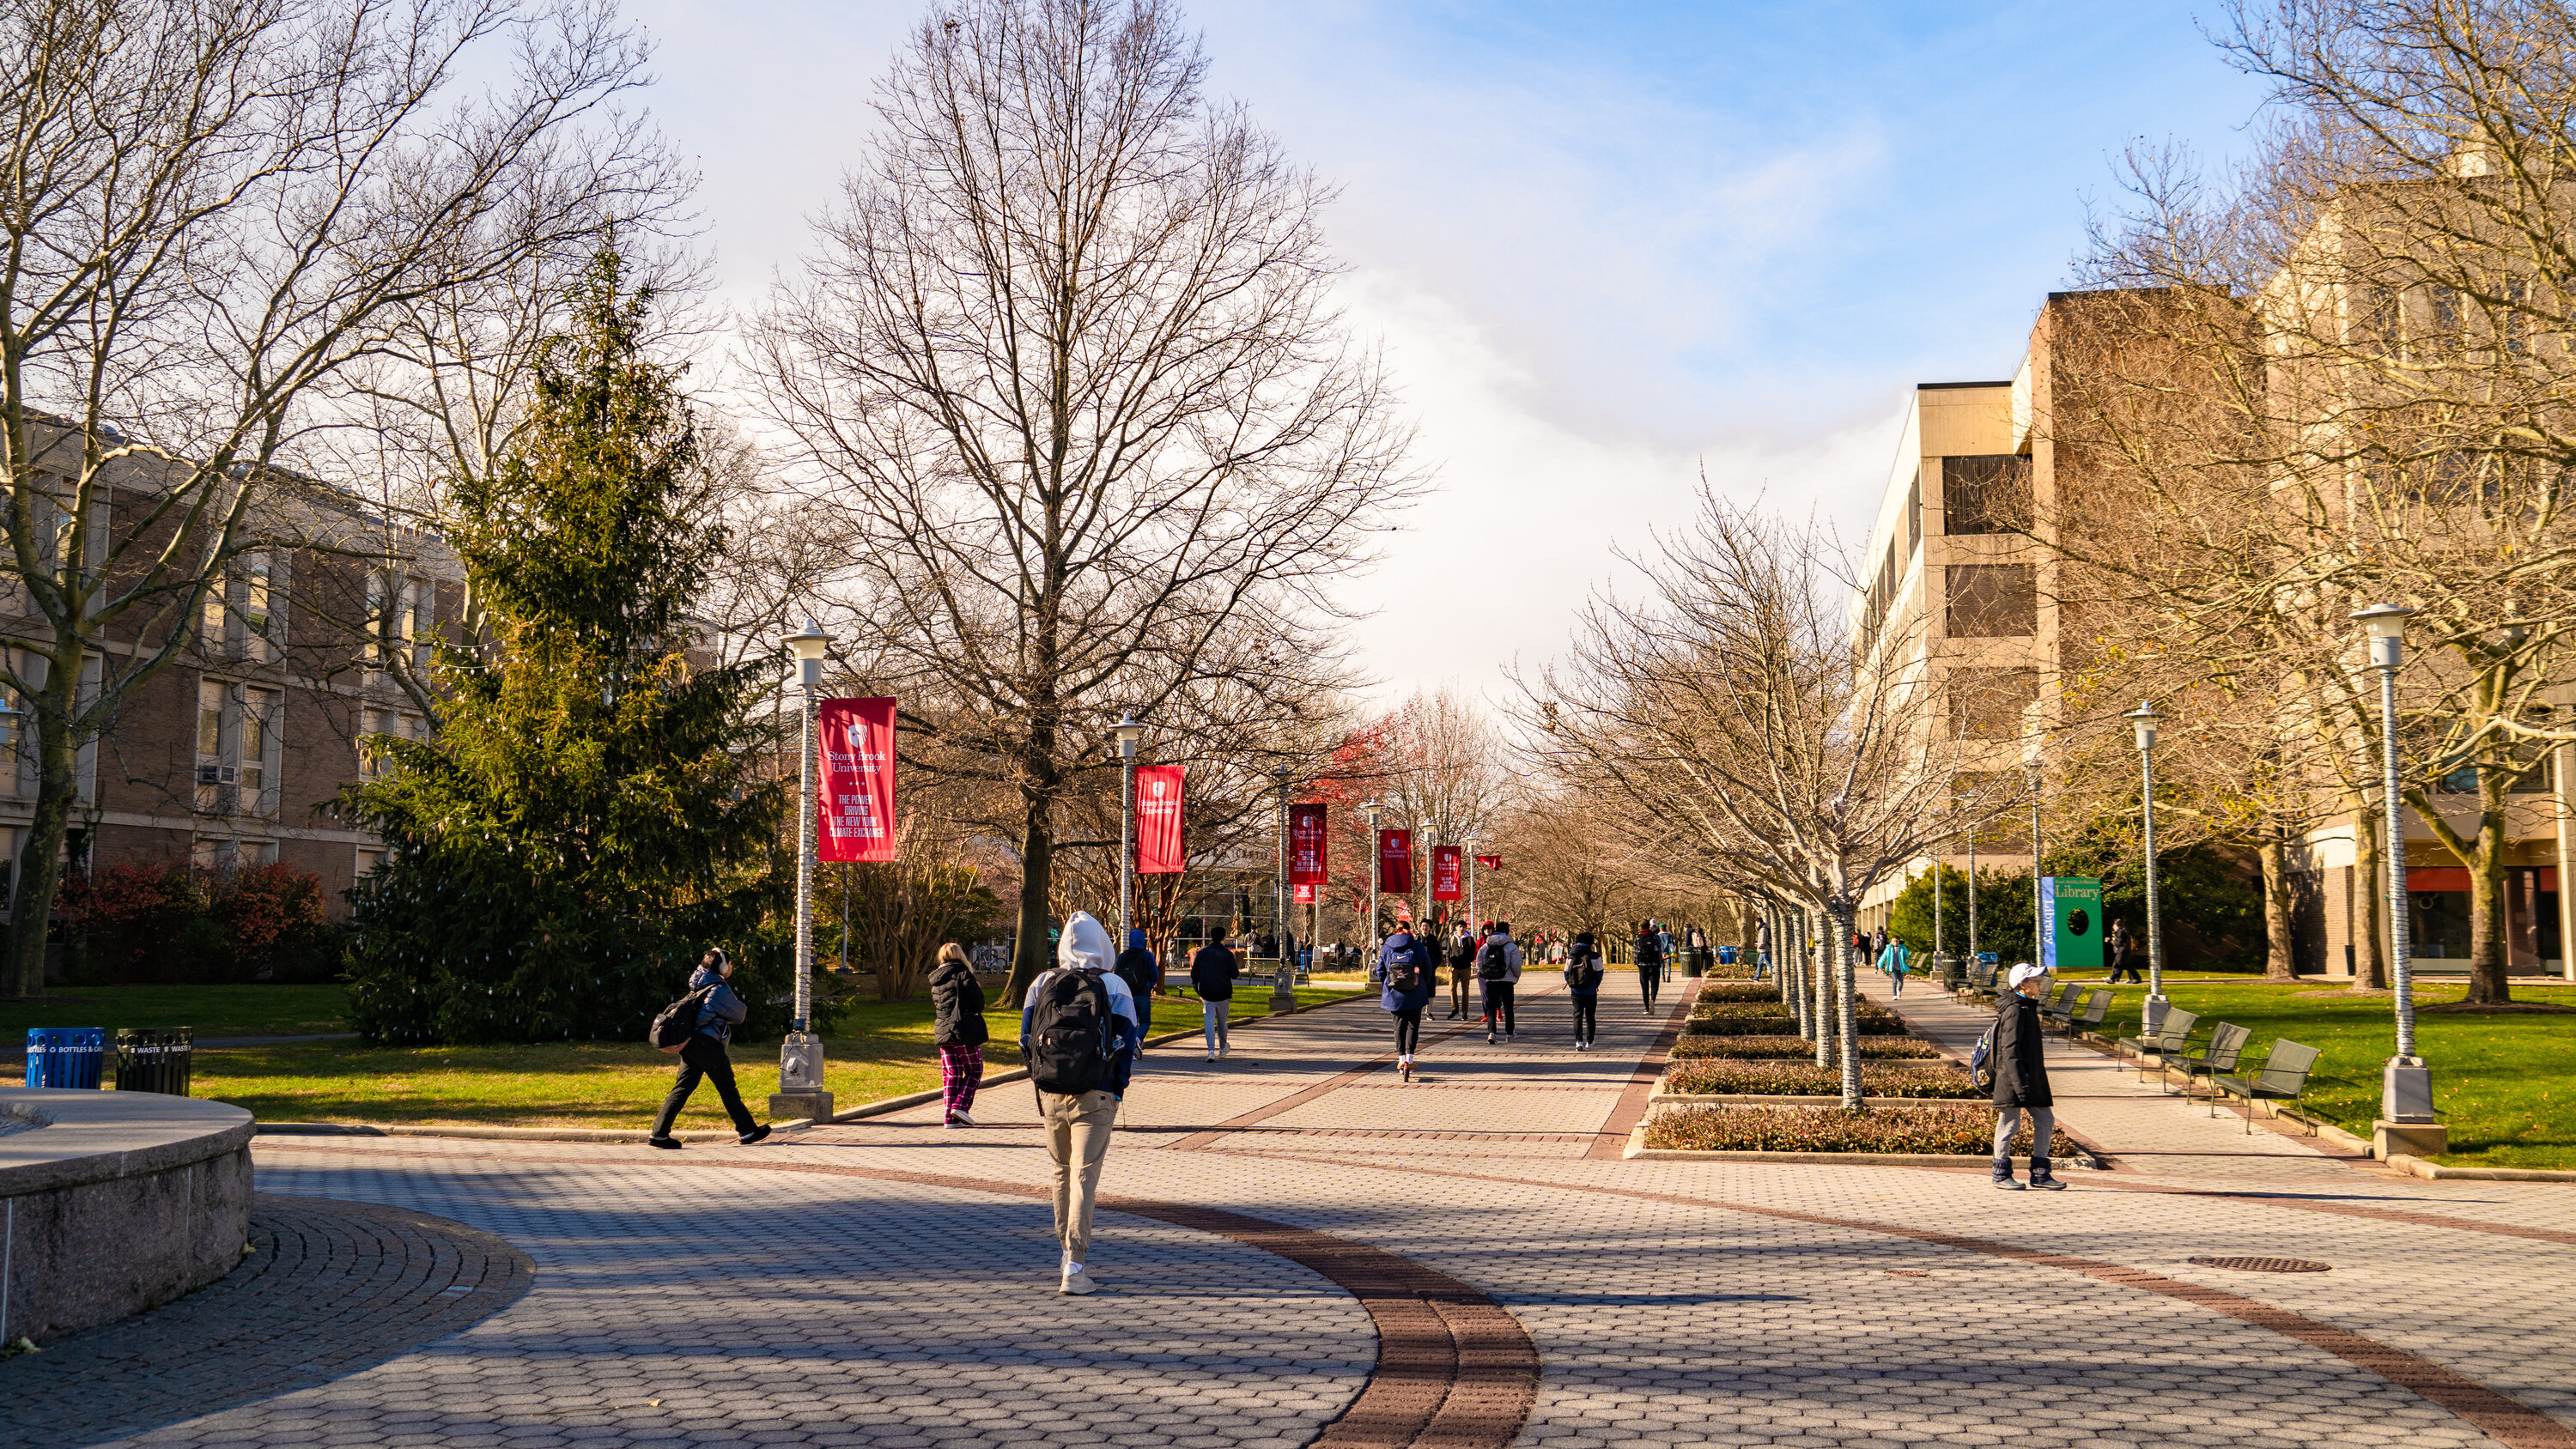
[1791, 1047]
[1806, 1079]
[1731, 1024]
[1713, 991]
[1950, 1129]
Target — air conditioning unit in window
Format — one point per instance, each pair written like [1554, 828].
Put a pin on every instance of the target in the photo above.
[209, 775]
[231, 775]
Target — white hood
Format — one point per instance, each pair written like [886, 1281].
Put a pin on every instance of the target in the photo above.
[1084, 946]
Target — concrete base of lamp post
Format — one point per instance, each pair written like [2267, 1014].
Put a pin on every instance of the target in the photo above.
[2414, 1139]
[800, 1080]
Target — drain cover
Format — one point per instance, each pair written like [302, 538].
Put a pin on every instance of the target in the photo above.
[2266, 1265]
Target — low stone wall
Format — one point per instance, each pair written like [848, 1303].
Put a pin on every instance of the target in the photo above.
[114, 1202]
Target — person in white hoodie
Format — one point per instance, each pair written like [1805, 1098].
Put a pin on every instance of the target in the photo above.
[1082, 1020]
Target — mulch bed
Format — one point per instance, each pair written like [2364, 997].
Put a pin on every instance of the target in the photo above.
[1806, 1079]
[1944, 1128]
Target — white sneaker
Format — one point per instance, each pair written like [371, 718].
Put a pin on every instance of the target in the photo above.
[1077, 1282]
[969, 1121]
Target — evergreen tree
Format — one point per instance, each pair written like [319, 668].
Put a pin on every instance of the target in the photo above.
[586, 821]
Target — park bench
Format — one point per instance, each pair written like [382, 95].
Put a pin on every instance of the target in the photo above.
[1981, 982]
[2097, 1005]
[2226, 1043]
[2169, 1038]
[2283, 1078]
[2059, 1010]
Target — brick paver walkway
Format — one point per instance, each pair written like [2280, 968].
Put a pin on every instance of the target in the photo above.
[1302, 1249]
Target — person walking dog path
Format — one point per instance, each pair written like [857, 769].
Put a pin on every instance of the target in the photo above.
[704, 1055]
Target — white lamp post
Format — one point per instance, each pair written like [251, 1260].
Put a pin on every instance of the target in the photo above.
[2038, 907]
[1287, 937]
[2144, 719]
[1129, 730]
[1368, 812]
[1473, 920]
[2406, 1084]
[800, 1053]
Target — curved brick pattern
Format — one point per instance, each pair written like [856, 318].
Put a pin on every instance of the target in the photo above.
[328, 1289]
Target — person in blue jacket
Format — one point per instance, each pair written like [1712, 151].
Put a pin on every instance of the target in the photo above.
[1404, 968]
[703, 1056]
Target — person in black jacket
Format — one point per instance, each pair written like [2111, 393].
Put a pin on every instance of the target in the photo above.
[703, 1056]
[1212, 973]
[1650, 962]
[1462, 971]
[957, 1027]
[2021, 1080]
[1144, 977]
[1583, 984]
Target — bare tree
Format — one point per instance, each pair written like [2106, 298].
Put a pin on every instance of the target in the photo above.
[210, 210]
[1736, 709]
[1066, 360]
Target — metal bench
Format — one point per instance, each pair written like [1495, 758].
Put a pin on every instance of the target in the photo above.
[2097, 1005]
[2059, 1010]
[2226, 1043]
[2169, 1038]
[2283, 1078]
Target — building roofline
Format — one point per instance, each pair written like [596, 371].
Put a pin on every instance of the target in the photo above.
[1937, 386]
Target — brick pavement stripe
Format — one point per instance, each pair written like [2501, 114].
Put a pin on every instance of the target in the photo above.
[329, 1288]
[1638, 1098]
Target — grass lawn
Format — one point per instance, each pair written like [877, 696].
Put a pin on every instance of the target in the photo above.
[881, 1049]
[2504, 1085]
[212, 1010]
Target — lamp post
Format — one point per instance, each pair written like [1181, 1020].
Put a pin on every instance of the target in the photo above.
[1128, 730]
[800, 1052]
[2405, 1083]
[1287, 937]
[1473, 920]
[2038, 908]
[1368, 812]
[2144, 719]
[1972, 893]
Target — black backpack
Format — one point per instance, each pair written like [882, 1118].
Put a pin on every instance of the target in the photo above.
[1404, 968]
[1071, 1033]
[679, 1020]
[1583, 970]
[1493, 962]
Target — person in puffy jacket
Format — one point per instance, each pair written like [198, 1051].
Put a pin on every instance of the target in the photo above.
[1212, 973]
[1583, 975]
[958, 1029]
[2021, 1080]
[1649, 949]
[1405, 968]
[704, 1055]
[1498, 970]
[1144, 976]
[1462, 970]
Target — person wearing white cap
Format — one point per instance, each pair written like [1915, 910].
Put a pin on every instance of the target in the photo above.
[2021, 1080]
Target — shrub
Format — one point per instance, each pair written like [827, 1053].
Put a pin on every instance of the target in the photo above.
[1789, 1046]
[171, 924]
[1806, 1079]
[1739, 991]
[1946, 1129]
[1775, 1021]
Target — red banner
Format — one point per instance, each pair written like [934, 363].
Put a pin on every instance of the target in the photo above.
[1489, 862]
[1158, 821]
[1306, 851]
[1304, 895]
[855, 805]
[1395, 862]
[1446, 869]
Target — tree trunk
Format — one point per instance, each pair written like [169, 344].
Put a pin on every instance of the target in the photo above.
[2370, 933]
[2277, 962]
[1847, 1017]
[22, 977]
[1824, 999]
[1030, 957]
[2490, 952]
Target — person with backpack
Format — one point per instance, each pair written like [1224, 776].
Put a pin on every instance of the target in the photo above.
[2020, 1072]
[1212, 973]
[1650, 963]
[716, 1013]
[958, 1029]
[1462, 969]
[1144, 977]
[1405, 968]
[1498, 969]
[1583, 975]
[1078, 1034]
[1895, 960]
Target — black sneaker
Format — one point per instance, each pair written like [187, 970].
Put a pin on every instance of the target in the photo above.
[667, 1144]
[756, 1134]
[2006, 1184]
[2047, 1184]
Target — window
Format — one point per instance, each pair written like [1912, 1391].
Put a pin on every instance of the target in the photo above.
[1987, 704]
[403, 614]
[373, 759]
[1914, 514]
[1993, 601]
[239, 617]
[210, 746]
[1987, 493]
[237, 749]
[258, 735]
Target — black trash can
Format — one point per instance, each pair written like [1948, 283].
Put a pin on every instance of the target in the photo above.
[155, 1059]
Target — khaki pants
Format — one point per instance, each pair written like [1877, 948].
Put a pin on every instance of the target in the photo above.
[1078, 1140]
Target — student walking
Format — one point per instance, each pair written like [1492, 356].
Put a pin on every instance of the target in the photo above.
[1212, 972]
[2021, 1080]
[703, 1055]
[1078, 1035]
[1650, 963]
[1895, 960]
[2123, 958]
[1498, 969]
[1462, 970]
[1144, 977]
[1404, 969]
[957, 1026]
[1761, 950]
[1583, 975]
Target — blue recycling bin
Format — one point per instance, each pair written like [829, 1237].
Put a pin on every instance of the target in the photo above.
[65, 1056]
[1726, 955]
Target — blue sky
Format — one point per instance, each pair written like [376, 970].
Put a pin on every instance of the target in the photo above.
[1606, 245]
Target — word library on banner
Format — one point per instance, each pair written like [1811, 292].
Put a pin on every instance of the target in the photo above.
[855, 808]
[1395, 862]
[1159, 850]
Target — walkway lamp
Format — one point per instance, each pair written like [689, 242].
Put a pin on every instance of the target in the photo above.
[2038, 908]
[800, 1053]
[1129, 730]
[2406, 1084]
[1287, 937]
[2144, 719]
[1369, 812]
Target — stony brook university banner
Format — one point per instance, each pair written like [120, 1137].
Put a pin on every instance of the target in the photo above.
[1395, 862]
[856, 803]
[1305, 895]
[1306, 849]
[1446, 882]
[1489, 862]
[1158, 821]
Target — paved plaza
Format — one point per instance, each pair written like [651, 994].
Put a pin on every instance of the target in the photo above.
[1296, 1248]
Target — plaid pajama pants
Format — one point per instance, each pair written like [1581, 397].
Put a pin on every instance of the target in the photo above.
[961, 1069]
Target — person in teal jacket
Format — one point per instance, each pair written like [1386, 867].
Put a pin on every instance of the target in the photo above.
[1895, 961]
